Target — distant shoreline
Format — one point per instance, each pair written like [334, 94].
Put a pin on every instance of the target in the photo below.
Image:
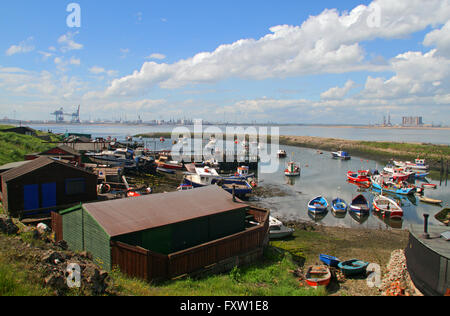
[242, 124]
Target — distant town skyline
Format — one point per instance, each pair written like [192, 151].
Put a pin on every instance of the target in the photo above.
[317, 62]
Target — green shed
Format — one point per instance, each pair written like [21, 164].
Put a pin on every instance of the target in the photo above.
[161, 223]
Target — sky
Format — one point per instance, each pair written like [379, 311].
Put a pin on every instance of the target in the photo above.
[289, 61]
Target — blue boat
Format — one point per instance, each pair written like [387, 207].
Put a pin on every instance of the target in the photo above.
[360, 205]
[353, 267]
[329, 260]
[318, 205]
[339, 206]
[380, 185]
[341, 155]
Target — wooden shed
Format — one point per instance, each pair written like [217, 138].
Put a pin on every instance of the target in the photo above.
[61, 152]
[23, 130]
[41, 184]
[155, 236]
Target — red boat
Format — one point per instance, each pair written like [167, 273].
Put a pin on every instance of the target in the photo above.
[360, 176]
[163, 162]
[318, 276]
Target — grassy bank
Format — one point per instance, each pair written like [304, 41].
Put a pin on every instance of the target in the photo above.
[13, 147]
[273, 275]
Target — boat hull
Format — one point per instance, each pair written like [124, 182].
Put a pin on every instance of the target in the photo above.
[353, 267]
[318, 276]
[329, 260]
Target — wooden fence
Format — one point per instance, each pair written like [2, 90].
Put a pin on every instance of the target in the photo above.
[147, 265]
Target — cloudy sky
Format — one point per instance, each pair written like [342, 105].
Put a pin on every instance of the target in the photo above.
[289, 61]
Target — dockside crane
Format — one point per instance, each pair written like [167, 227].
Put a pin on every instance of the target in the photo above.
[59, 116]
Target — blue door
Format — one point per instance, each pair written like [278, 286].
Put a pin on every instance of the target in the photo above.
[48, 195]
[30, 197]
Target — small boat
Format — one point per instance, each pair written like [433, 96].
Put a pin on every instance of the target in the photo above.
[429, 200]
[292, 170]
[329, 260]
[339, 206]
[277, 230]
[318, 276]
[360, 205]
[353, 267]
[202, 177]
[360, 176]
[163, 162]
[185, 187]
[318, 205]
[281, 153]
[341, 155]
[429, 185]
[387, 206]
[164, 170]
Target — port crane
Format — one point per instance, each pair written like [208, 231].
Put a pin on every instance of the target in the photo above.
[60, 114]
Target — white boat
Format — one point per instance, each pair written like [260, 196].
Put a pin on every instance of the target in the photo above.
[418, 164]
[387, 206]
[202, 177]
[278, 230]
[282, 153]
[341, 155]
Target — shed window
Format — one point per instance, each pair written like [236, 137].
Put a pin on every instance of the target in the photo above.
[75, 186]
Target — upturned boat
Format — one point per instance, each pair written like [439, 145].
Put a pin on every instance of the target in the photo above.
[318, 205]
[387, 207]
[318, 276]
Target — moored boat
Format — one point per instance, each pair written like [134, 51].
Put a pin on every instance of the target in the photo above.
[403, 188]
[429, 185]
[353, 267]
[282, 153]
[418, 164]
[163, 162]
[360, 205]
[430, 200]
[318, 276]
[387, 207]
[360, 176]
[339, 206]
[341, 155]
[292, 170]
[318, 205]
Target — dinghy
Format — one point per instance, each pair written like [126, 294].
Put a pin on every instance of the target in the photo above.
[353, 267]
[318, 276]
[429, 200]
[329, 260]
[318, 205]
[339, 206]
[359, 205]
[387, 207]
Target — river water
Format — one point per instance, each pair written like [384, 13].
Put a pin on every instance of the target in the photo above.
[320, 174]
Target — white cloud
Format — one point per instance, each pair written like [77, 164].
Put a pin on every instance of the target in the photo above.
[337, 92]
[156, 56]
[23, 47]
[96, 70]
[327, 43]
[441, 39]
[67, 42]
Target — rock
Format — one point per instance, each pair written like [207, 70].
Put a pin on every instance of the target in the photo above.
[58, 282]
[53, 257]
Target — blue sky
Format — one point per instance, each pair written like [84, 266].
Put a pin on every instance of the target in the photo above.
[285, 61]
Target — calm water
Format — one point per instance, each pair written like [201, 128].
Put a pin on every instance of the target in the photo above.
[323, 176]
[353, 133]
[320, 175]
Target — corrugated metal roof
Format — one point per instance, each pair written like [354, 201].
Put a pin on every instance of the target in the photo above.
[35, 165]
[120, 217]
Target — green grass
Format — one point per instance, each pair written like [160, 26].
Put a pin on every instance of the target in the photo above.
[271, 276]
[13, 147]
